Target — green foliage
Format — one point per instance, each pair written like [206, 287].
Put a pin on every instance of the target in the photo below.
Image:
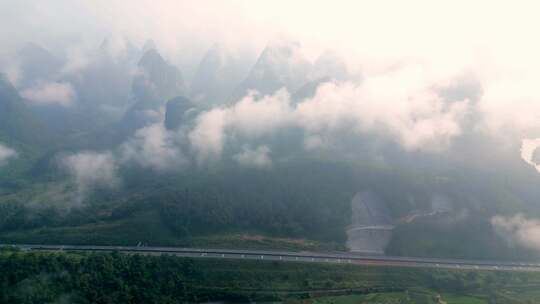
[122, 278]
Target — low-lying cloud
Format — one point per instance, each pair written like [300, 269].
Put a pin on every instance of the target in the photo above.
[258, 157]
[253, 116]
[412, 113]
[153, 147]
[6, 154]
[207, 138]
[401, 105]
[50, 93]
[90, 169]
[528, 149]
[518, 230]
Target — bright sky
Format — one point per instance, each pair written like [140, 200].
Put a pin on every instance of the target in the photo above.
[495, 41]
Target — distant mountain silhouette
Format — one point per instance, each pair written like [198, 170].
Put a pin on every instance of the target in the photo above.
[280, 65]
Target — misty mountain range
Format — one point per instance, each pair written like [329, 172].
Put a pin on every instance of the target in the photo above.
[92, 146]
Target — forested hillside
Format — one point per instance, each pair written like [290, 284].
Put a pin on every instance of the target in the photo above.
[126, 141]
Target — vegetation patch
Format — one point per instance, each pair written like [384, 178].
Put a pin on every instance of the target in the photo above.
[40, 277]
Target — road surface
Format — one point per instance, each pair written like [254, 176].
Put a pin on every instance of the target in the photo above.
[289, 256]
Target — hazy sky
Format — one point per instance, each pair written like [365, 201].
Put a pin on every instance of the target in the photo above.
[454, 30]
[493, 42]
[442, 35]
